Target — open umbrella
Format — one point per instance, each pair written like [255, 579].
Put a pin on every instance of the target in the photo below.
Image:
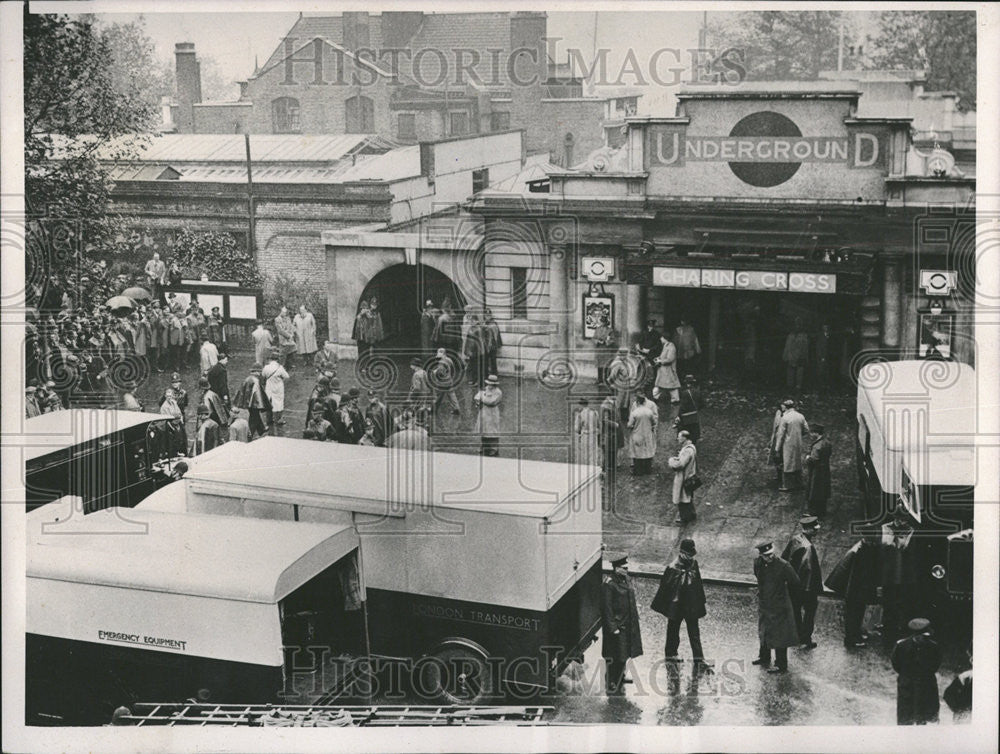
[120, 304]
[137, 294]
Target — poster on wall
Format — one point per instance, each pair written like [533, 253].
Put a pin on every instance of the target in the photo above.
[598, 311]
[935, 335]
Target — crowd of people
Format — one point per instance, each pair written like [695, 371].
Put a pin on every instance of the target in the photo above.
[788, 590]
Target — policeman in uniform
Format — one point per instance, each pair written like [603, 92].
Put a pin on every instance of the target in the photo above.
[621, 639]
[801, 556]
[917, 658]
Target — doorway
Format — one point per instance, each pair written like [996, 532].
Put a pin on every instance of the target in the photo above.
[401, 291]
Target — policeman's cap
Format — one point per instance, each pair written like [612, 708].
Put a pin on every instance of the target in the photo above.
[618, 559]
[765, 547]
[809, 522]
[918, 625]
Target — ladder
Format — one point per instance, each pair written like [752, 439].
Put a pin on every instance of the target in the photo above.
[324, 716]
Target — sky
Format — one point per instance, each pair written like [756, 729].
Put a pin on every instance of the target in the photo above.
[234, 39]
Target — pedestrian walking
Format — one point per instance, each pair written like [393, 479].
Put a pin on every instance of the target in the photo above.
[218, 378]
[474, 352]
[642, 423]
[855, 578]
[428, 322]
[254, 400]
[285, 329]
[688, 347]
[801, 556]
[916, 659]
[208, 356]
[686, 479]
[898, 565]
[688, 418]
[623, 378]
[792, 433]
[774, 457]
[305, 334]
[649, 345]
[445, 377]
[776, 580]
[612, 440]
[817, 464]
[621, 637]
[796, 355]
[488, 402]
[263, 342]
[680, 598]
[421, 394]
[274, 376]
[586, 435]
[666, 371]
[493, 342]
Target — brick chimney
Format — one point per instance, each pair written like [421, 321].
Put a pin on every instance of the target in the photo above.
[356, 33]
[527, 31]
[188, 78]
[398, 27]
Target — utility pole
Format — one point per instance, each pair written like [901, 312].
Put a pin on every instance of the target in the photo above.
[251, 240]
[840, 46]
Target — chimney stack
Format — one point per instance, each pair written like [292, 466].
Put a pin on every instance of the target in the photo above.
[188, 77]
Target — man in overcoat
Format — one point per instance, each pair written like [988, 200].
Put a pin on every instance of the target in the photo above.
[792, 433]
[620, 635]
[685, 465]
[776, 580]
[916, 659]
[818, 465]
[623, 378]
[855, 577]
[681, 598]
[801, 555]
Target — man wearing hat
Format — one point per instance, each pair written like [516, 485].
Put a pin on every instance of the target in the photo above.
[348, 423]
[818, 466]
[421, 396]
[129, 402]
[445, 376]
[899, 587]
[687, 412]
[801, 556]
[252, 397]
[916, 659]
[790, 446]
[211, 400]
[218, 377]
[208, 355]
[380, 417]
[31, 407]
[774, 457]
[776, 581]
[208, 432]
[488, 402]
[681, 597]
[274, 375]
[409, 436]
[623, 379]
[263, 341]
[620, 636]
[318, 395]
[239, 427]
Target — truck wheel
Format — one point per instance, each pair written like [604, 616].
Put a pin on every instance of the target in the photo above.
[457, 672]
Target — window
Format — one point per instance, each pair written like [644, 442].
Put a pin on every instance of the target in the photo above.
[285, 116]
[499, 121]
[459, 124]
[359, 115]
[480, 180]
[406, 126]
[519, 292]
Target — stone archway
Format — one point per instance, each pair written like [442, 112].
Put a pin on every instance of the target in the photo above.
[401, 291]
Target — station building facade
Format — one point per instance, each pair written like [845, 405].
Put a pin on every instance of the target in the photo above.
[752, 212]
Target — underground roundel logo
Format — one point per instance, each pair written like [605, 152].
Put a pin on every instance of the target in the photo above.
[765, 174]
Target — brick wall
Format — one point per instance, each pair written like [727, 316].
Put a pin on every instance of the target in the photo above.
[222, 119]
[555, 118]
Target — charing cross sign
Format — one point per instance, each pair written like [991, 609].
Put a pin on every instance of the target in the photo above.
[763, 149]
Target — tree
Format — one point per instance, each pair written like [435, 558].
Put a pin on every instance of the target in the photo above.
[218, 255]
[80, 103]
[780, 45]
[941, 42]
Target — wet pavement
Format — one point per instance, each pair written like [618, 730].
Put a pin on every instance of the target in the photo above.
[738, 506]
[829, 685]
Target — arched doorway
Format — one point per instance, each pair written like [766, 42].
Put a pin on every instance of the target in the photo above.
[401, 291]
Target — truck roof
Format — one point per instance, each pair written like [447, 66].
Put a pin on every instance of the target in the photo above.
[223, 557]
[332, 471]
[945, 391]
[60, 429]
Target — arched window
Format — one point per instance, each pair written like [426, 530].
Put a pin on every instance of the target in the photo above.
[285, 115]
[359, 115]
